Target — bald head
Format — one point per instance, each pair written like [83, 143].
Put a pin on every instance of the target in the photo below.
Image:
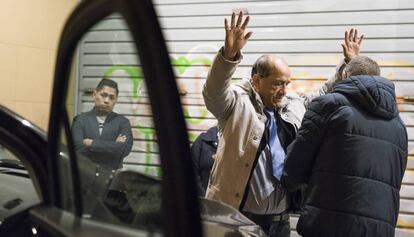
[268, 64]
[270, 77]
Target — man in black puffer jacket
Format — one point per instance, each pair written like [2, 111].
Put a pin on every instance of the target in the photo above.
[351, 152]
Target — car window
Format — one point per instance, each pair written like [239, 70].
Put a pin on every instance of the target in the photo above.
[112, 130]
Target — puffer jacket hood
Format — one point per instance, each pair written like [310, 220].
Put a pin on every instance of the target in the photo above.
[375, 94]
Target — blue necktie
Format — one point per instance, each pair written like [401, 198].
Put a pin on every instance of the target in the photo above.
[276, 149]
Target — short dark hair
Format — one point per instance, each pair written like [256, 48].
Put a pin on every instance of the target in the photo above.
[362, 65]
[108, 83]
[261, 66]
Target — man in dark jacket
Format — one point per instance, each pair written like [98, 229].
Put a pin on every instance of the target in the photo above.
[202, 150]
[102, 135]
[351, 151]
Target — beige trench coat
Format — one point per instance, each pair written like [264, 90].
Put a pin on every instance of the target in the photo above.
[239, 111]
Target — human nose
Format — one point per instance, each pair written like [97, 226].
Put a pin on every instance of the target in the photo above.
[282, 90]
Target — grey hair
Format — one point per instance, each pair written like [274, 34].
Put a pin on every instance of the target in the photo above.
[362, 65]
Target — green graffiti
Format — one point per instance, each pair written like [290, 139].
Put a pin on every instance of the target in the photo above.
[148, 135]
[147, 155]
[182, 63]
[136, 75]
[192, 136]
[195, 121]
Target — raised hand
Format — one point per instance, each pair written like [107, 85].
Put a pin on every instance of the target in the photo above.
[352, 44]
[235, 36]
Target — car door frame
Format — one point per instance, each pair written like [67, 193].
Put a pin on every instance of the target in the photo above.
[180, 204]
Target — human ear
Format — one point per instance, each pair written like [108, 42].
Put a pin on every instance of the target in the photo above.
[344, 74]
[256, 81]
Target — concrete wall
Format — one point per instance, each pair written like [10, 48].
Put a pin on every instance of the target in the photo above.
[29, 35]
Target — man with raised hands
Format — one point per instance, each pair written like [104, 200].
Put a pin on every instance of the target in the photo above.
[257, 120]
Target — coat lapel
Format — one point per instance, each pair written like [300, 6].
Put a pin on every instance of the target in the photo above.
[93, 121]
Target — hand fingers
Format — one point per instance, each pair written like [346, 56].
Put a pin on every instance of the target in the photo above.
[355, 39]
[360, 40]
[121, 138]
[346, 38]
[246, 21]
[226, 25]
[239, 20]
[351, 35]
[247, 36]
[343, 47]
[233, 16]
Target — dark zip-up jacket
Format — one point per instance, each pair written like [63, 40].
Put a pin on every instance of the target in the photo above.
[351, 151]
[202, 151]
[104, 150]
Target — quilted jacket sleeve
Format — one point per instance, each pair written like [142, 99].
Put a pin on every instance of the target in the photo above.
[303, 150]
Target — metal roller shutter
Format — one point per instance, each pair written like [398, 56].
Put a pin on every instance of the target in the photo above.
[307, 34]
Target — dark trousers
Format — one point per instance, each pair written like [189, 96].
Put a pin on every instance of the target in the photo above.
[277, 229]
[272, 228]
